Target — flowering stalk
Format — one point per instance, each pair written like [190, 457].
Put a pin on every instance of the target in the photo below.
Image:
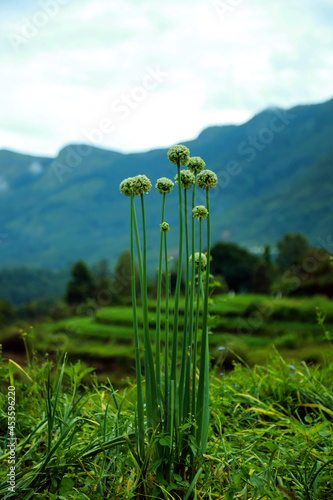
[178, 282]
[152, 402]
[163, 186]
[158, 305]
[183, 396]
[195, 165]
[177, 155]
[206, 180]
[140, 404]
[196, 329]
[186, 180]
[131, 187]
[203, 389]
[199, 262]
[191, 359]
[166, 353]
[126, 188]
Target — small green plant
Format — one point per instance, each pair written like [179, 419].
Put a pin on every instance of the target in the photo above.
[173, 402]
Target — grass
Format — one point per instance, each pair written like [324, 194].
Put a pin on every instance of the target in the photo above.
[269, 437]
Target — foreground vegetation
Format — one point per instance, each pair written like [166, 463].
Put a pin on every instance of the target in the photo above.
[270, 436]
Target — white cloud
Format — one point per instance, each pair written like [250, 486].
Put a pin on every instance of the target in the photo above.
[64, 80]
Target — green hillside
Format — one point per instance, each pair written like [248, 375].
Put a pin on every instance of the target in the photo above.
[275, 175]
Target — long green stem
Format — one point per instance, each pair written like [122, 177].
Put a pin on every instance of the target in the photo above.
[192, 346]
[173, 375]
[196, 327]
[152, 403]
[143, 293]
[137, 240]
[158, 305]
[203, 389]
[183, 396]
[191, 309]
[140, 404]
[166, 349]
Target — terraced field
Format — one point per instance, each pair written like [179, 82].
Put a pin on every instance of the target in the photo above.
[250, 325]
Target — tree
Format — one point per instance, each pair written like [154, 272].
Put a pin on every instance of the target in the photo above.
[235, 264]
[81, 286]
[291, 249]
[262, 279]
[314, 274]
[101, 274]
[267, 258]
[263, 273]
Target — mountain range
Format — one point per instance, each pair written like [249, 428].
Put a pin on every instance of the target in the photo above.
[275, 176]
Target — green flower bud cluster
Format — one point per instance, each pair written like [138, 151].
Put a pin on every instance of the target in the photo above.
[197, 260]
[207, 179]
[126, 186]
[187, 179]
[135, 185]
[164, 185]
[199, 212]
[179, 153]
[196, 164]
[164, 226]
[141, 184]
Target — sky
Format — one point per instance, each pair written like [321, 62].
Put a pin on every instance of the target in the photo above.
[137, 75]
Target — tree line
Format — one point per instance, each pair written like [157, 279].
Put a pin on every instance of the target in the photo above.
[294, 268]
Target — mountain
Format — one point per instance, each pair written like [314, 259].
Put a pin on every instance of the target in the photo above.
[275, 175]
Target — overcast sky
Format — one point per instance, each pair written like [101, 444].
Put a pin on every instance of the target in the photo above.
[134, 75]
